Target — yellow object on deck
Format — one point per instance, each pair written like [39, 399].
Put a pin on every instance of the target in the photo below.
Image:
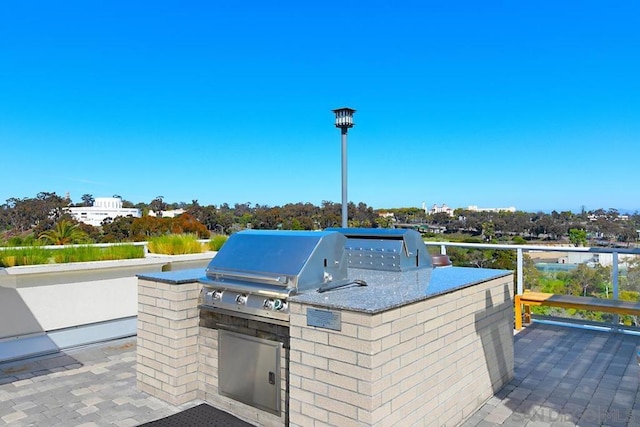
[528, 299]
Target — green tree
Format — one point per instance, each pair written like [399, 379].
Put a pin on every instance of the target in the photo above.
[384, 221]
[39, 213]
[578, 237]
[87, 200]
[117, 230]
[158, 205]
[632, 280]
[488, 231]
[64, 233]
[187, 224]
[587, 280]
[628, 233]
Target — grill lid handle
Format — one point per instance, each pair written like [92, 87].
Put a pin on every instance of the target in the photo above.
[252, 277]
[341, 284]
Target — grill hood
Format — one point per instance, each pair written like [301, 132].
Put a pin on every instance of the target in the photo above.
[279, 261]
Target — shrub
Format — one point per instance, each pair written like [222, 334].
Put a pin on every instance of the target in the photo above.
[37, 255]
[64, 233]
[94, 253]
[24, 256]
[76, 254]
[519, 240]
[217, 241]
[123, 252]
[175, 244]
[27, 240]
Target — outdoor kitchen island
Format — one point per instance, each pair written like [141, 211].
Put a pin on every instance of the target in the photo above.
[418, 347]
[407, 352]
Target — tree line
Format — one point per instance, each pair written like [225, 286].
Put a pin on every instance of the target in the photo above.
[28, 218]
[23, 221]
[599, 226]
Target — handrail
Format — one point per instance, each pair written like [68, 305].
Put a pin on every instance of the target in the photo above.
[540, 248]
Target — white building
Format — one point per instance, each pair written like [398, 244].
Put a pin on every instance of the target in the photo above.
[386, 215]
[168, 214]
[441, 209]
[593, 259]
[103, 208]
[477, 209]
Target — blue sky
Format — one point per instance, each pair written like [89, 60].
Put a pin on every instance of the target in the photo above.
[498, 103]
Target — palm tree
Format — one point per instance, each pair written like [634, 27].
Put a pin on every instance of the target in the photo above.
[64, 233]
[87, 200]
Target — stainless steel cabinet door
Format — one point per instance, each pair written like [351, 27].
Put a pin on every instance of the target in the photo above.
[249, 370]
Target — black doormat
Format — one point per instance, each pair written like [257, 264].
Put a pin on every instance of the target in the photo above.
[202, 415]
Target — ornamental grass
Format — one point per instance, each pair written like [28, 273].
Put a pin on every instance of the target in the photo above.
[29, 255]
[217, 241]
[34, 255]
[175, 244]
[94, 253]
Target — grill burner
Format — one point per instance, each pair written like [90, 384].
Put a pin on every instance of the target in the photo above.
[256, 271]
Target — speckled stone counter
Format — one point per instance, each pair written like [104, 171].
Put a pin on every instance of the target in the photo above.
[174, 277]
[387, 290]
[384, 291]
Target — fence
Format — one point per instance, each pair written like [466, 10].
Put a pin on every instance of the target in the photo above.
[521, 249]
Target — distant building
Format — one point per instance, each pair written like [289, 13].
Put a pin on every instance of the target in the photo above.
[440, 209]
[103, 208]
[477, 209]
[594, 217]
[595, 259]
[386, 215]
[168, 214]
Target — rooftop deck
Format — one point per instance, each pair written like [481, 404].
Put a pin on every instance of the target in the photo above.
[563, 377]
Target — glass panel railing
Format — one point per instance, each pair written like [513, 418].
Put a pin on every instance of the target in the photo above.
[603, 273]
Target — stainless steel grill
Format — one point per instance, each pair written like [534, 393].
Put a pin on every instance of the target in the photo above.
[255, 272]
[247, 286]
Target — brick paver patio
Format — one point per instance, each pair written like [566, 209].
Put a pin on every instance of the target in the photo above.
[563, 377]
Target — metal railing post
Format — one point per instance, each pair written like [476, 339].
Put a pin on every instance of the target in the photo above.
[614, 274]
[520, 272]
[614, 281]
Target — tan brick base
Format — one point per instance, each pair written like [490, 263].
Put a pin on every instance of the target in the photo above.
[429, 363]
[167, 348]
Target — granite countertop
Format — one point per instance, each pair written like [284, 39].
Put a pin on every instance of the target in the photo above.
[386, 290]
[174, 277]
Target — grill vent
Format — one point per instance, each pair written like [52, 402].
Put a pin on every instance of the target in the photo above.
[385, 249]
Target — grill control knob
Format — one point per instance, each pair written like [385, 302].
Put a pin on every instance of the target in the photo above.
[274, 304]
[215, 295]
[241, 299]
[269, 304]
